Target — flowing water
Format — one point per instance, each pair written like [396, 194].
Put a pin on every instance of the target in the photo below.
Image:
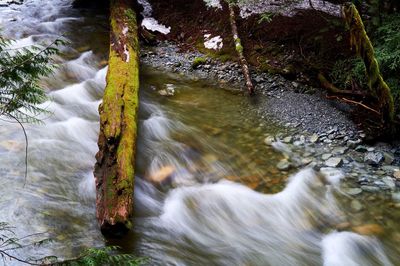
[206, 136]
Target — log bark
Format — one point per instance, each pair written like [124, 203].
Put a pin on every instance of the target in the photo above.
[361, 43]
[239, 49]
[114, 170]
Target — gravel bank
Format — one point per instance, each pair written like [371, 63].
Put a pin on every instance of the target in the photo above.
[289, 103]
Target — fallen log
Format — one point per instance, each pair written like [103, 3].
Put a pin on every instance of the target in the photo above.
[115, 166]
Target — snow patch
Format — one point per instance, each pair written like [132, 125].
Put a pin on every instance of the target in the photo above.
[153, 25]
[213, 3]
[149, 22]
[215, 43]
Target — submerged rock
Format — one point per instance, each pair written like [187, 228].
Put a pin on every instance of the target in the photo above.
[283, 165]
[368, 229]
[353, 191]
[356, 205]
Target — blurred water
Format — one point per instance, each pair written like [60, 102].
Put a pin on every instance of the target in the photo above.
[203, 135]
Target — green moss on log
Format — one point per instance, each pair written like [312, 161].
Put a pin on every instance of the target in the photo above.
[114, 169]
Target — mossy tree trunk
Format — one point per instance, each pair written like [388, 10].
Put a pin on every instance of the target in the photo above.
[239, 49]
[114, 170]
[361, 43]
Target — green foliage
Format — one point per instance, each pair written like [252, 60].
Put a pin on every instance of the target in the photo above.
[266, 17]
[9, 243]
[198, 61]
[103, 256]
[20, 72]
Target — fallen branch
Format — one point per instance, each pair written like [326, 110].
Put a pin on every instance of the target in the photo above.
[333, 89]
[354, 102]
[239, 49]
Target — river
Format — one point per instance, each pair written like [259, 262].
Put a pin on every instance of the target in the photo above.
[208, 136]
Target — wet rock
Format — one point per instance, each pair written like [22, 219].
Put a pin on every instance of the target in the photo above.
[361, 148]
[389, 182]
[314, 138]
[334, 162]
[373, 158]
[326, 156]
[162, 176]
[396, 174]
[353, 143]
[283, 165]
[287, 139]
[269, 140]
[306, 161]
[388, 158]
[340, 150]
[356, 205]
[368, 229]
[371, 189]
[353, 191]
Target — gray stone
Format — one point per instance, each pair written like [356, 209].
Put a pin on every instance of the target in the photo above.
[353, 191]
[314, 138]
[340, 150]
[389, 158]
[283, 165]
[326, 156]
[287, 139]
[269, 140]
[389, 182]
[370, 188]
[356, 205]
[373, 158]
[334, 162]
[396, 174]
[306, 161]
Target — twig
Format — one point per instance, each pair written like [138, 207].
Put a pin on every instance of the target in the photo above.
[26, 146]
[354, 102]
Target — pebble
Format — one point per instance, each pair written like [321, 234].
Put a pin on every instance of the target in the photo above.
[370, 188]
[353, 191]
[356, 205]
[389, 158]
[287, 139]
[326, 156]
[334, 162]
[269, 140]
[314, 138]
[396, 174]
[389, 182]
[373, 158]
[283, 165]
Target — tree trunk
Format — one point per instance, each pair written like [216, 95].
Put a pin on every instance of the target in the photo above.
[114, 170]
[361, 43]
[239, 50]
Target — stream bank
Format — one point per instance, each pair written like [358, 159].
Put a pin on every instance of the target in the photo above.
[318, 133]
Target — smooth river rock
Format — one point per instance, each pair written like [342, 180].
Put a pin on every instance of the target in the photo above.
[334, 162]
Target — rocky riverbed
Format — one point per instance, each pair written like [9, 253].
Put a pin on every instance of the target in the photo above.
[320, 133]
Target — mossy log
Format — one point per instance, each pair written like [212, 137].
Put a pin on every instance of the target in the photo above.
[114, 170]
[239, 49]
[361, 43]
